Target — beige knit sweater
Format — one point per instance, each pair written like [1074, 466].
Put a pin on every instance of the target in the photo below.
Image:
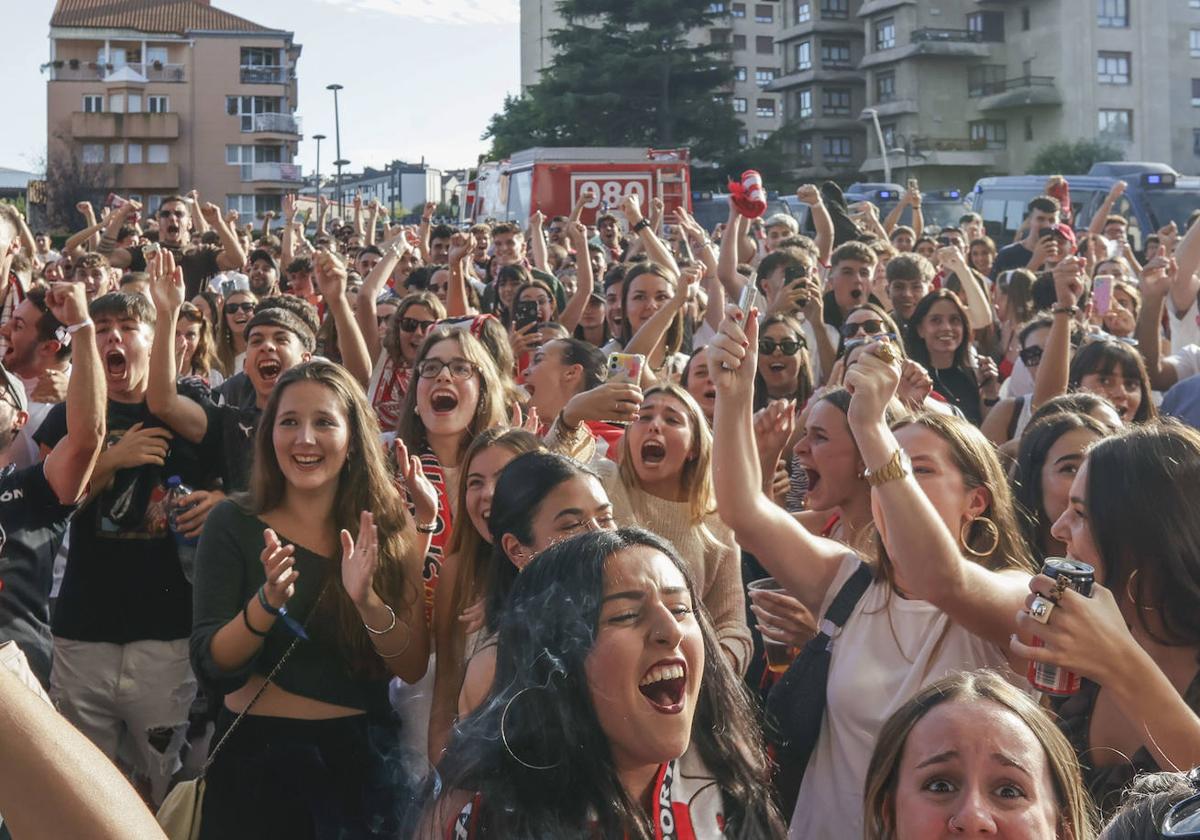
[715, 563]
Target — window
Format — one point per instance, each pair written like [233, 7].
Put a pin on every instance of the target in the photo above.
[716, 8]
[93, 153]
[1196, 93]
[885, 34]
[116, 103]
[743, 138]
[134, 153]
[260, 57]
[985, 79]
[156, 54]
[93, 104]
[762, 136]
[117, 56]
[1024, 18]
[837, 149]
[835, 102]
[804, 55]
[987, 26]
[1113, 13]
[738, 10]
[804, 103]
[764, 13]
[1028, 129]
[765, 108]
[1112, 68]
[252, 154]
[888, 130]
[804, 151]
[839, 9]
[134, 103]
[885, 86]
[246, 107]
[835, 54]
[1116, 124]
[158, 153]
[764, 44]
[803, 11]
[739, 74]
[157, 104]
[739, 104]
[116, 153]
[993, 134]
[1194, 42]
[764, 76]
[739, 42]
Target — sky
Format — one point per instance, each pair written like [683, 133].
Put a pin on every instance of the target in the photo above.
[420, 77]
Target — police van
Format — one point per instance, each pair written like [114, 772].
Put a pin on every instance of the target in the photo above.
[940, 208]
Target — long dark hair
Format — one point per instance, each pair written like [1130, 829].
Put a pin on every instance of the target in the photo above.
[915, 345]
[1145, 519]
[365, 484]
[1107, 356]
[541, 702]
[1036, 444]
[522, 486]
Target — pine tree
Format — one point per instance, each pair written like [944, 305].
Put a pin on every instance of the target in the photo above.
[625, 74]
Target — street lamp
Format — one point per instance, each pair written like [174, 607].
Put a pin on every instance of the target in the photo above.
[318, 138]
[873, 115]
[337, 131]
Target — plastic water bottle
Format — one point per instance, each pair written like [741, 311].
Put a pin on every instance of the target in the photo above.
[176, 493]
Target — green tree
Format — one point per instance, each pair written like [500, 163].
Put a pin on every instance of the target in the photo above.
[1072, 158]
[625, 74]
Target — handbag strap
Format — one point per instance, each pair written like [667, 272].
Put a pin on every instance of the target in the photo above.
[212, 755]
[846, 600]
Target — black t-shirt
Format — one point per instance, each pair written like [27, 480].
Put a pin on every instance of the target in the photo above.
[960, 390]
[123, 582]
[229, 442]
[1011, 256]
[32, 524]
[198, 264]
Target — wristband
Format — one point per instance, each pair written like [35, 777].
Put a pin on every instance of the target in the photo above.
[990, 402]
[640, 226]
[427, 529]
[249, 626]
[1065, 310]
[264, 603]
[74, 328]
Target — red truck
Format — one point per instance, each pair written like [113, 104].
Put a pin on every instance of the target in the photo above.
[553, 179]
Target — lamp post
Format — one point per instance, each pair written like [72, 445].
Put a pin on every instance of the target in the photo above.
[337, 132]
[873, 115]
[318, 138]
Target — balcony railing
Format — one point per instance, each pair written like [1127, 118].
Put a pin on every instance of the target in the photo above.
[949, 144]
[289, 172]
[89, 71]
[933, 35]
[987, 88]
[262, 75]
[276, 123]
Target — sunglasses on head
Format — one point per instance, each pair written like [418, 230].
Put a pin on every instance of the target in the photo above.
[233, 308]
[415, 325]
[1031, 356]
[871, 326]
[787, 346]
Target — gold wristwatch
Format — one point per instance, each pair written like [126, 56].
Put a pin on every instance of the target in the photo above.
[898, 466]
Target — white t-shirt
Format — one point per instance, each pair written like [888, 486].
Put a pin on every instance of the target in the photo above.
[1184, 330]
[1186, 359]
[887, 651]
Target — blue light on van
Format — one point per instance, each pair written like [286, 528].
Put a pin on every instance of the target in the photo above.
[886, 195]
[1153, 179]
[952, 194]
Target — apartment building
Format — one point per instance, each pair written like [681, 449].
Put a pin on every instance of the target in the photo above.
[748, 29]
[171, 95]
[398, 184]
[965, 88]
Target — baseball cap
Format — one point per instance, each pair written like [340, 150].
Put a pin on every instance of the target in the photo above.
[262, 254]
[1064, 230]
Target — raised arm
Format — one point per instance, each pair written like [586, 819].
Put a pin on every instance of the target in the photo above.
[372, 220]
[537, 241]
[918, 218]
[1156, 280]
[803, 563]
[655, 249]
[69, 465]
[1054, 371]
[925, 554]
[461, 245]
[330, 270]
[584, 282]
[727, 262]
[979, 308]
[650, 335]
[822, 222]
[893, 217]
[581, 202]
[423, 231]
[288, 236]
[267, 218]
[358, 216]
[231, 256]
[117, 257]
[1115, 192]
[1187, 284]
[89, 237]
[322, 212]
[194, 208]
[186, 418]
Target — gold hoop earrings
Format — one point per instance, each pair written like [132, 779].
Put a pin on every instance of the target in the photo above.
[964, 536]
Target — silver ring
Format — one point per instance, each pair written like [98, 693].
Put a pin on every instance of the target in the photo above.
[1040, 609]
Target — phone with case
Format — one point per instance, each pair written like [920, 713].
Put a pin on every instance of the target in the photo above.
[626, 367]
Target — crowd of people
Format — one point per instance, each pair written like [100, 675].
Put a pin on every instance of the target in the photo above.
[629, 529]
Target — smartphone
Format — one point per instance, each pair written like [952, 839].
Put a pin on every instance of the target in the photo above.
[797, 277]
[1102, 288]
[685, 247]
[749, 299]
[912, 184]
[625, 367]
[1046, 231]
[526, 313]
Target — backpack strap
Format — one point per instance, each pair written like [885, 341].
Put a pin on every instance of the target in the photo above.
[846, 600]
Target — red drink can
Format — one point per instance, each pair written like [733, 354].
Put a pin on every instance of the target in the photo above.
[1052, 679]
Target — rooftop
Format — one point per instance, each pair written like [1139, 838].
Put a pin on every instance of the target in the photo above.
[161, 16]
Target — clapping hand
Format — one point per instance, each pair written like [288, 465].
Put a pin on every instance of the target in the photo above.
[167, 288]
[360, 561]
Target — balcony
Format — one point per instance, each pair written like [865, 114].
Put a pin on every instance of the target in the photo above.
[842, 74]
[275, 124]
[265, 75]
[91, 71]
[832, 26]
[110, 126]
[148, 177]
[269, 174]
[1021, 92]
[948, 144]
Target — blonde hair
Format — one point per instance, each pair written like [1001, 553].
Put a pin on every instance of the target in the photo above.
[1076, 818]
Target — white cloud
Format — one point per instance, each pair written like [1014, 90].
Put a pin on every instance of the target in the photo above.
[454, 12]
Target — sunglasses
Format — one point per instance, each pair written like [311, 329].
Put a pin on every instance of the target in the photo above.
[1031, 356]
[234, 308]
[415, 325]
[788, 346]
[1183, 820]
[167, 214]
[872, 326]
[459, 368]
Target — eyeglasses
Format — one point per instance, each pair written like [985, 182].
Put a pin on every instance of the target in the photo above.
[788, 346]
[234, 308]
[1031, 356]
[1183, 820]
[872, 326]
[459, 368]
[415, 325]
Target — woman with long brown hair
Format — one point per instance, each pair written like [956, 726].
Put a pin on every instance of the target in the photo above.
[194, 345]
[302, 644]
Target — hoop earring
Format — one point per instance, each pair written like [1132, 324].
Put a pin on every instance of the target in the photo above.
[1129, 593]
[964, 536]
[504, 737]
